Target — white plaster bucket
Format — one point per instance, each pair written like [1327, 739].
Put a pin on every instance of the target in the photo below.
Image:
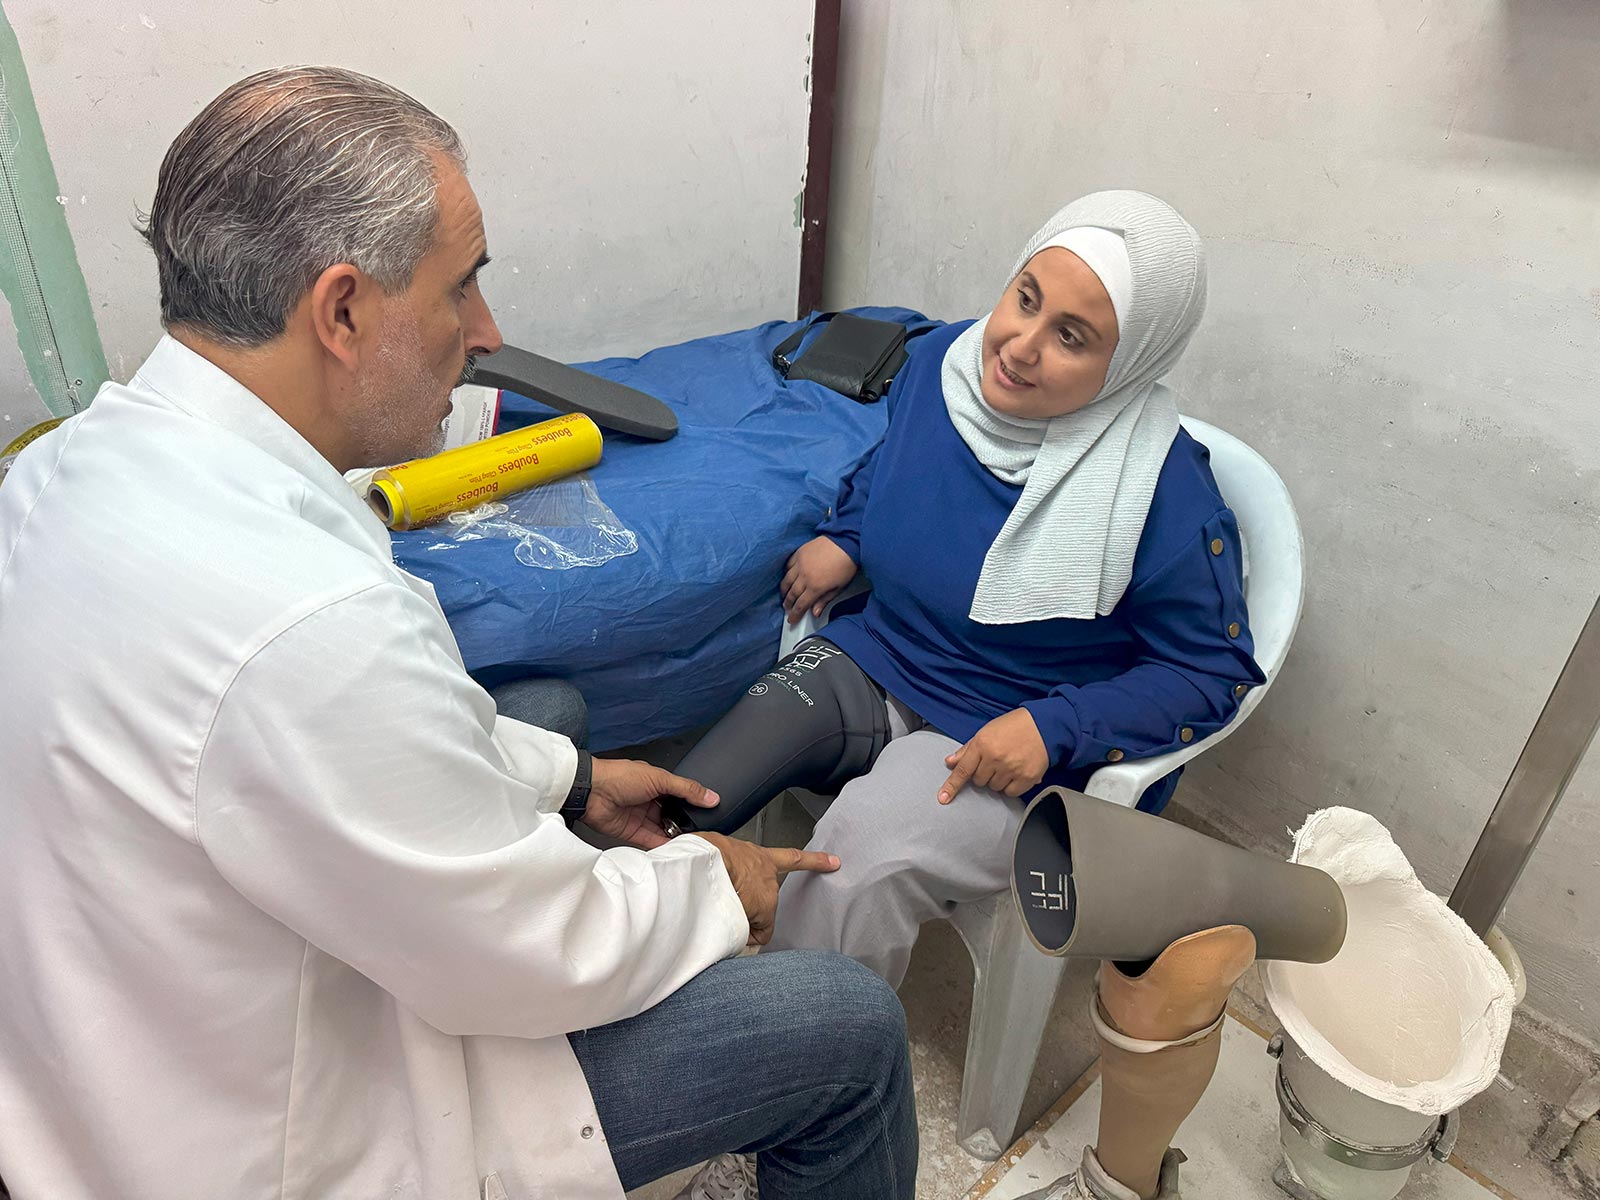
[1385, 1041]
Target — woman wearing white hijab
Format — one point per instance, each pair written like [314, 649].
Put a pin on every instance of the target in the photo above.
[1056, 584]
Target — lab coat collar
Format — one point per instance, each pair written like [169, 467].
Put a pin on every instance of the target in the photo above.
[199, 387]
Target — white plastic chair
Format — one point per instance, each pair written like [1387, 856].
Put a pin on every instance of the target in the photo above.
[1014, 985]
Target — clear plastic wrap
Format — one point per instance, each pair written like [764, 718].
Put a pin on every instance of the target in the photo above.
[556, 526]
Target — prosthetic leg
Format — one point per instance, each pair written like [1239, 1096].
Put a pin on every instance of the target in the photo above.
[1159, 1021]
[814, 721]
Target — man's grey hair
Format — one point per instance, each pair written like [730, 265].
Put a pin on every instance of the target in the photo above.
[287, 173]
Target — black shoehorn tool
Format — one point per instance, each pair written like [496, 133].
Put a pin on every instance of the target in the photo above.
[608, 404]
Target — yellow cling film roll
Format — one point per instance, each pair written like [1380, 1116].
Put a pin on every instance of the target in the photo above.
[21, 441]
[426, 489]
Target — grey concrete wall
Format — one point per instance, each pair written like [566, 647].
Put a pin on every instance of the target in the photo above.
[638, 161]
[1402, 206]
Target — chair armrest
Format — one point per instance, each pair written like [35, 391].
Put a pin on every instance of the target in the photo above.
[793, 635]
[1124, 782]
[809, 626]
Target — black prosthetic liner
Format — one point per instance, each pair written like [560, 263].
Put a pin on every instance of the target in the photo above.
[814, 721]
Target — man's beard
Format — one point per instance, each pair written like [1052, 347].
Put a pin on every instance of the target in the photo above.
[397, 398]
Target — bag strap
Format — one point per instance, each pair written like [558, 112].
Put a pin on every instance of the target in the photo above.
[781, 357]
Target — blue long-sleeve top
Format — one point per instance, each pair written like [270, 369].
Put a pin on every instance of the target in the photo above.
[1169, 664]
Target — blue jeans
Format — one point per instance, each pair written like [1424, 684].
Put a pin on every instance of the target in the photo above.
[798, 1057]
[547, 703]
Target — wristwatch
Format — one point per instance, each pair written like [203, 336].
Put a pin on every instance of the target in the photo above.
[577, 801]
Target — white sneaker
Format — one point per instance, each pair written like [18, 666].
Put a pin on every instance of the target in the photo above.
[1090, 1182]
[725, 1177]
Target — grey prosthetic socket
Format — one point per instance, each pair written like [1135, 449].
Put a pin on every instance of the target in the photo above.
[815, 721]
[1096, 880]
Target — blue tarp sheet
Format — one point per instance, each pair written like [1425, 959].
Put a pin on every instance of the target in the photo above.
[665, 639]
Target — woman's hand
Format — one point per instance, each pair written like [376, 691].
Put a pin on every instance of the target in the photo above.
[817, 572]
[1007, 755]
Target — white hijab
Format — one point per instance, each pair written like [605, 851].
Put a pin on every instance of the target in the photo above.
[1088, 477]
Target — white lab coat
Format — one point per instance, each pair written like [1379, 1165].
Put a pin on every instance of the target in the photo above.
[285, 910]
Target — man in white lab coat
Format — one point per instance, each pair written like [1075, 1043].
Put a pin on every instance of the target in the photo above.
[285, 909]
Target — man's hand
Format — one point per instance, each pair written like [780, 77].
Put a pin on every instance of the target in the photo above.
[625, 800]
[1006, 755]
[817, 572]
[755, 872]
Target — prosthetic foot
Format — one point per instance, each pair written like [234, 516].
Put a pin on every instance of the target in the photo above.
[814, 721]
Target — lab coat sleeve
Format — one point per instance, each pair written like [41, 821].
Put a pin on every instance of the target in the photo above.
[357, 786]
[547, 762]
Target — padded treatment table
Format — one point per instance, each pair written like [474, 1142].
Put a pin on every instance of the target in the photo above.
[665, 639]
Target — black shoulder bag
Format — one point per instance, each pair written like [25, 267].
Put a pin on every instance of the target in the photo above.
[855, 356]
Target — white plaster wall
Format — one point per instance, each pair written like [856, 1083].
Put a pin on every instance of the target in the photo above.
[638, 161]
[1402, 206]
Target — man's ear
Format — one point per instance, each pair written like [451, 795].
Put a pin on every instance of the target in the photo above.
[341, 312]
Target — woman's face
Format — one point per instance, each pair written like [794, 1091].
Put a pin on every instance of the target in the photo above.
[1050, 339]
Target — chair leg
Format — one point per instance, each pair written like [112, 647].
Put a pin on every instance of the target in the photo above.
[755, 829]
[1012, 996]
